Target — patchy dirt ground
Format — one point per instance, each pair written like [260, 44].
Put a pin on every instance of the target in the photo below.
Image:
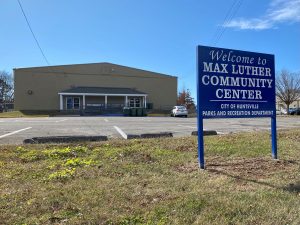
[253, 168]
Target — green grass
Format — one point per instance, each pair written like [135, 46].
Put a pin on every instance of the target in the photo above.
[36, 113]
[18, 114]
[155, 181]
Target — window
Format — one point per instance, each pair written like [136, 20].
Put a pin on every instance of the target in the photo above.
[73, 103]
[131, 103]
[181, 108]
[76, 103]
[135, 103]
[69, 103]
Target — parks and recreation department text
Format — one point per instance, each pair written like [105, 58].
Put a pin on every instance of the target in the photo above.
[237, 113]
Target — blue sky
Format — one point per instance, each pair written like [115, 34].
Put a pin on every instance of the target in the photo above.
[155, 35]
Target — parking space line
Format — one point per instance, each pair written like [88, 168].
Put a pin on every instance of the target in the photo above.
[57, 121]
[106, 120]
[193, 127]
[14, 132]
[146, 119]
[122, 133]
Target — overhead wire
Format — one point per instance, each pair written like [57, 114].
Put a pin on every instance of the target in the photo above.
[228, 18]
[216, 34]
[28, 24]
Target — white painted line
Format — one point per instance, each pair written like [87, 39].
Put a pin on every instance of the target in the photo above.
[220, 133]
[14, 132]
[106, 120]
[57, 121]
[193, 127]
[122, 133]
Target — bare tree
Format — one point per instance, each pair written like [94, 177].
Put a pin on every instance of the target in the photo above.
[6, 88]
[288, 87]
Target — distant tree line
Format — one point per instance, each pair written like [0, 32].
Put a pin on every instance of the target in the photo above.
[6, 89]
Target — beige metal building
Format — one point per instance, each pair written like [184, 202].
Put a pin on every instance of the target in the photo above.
[97, 85]
[281, 105]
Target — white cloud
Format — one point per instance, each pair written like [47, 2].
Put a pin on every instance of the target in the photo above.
[285, 11]
[279, 11]
[251, 24]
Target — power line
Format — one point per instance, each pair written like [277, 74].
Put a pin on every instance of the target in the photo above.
[229, 16]
[219, 28]
[227, 20]
[33, 33]
[238, 5]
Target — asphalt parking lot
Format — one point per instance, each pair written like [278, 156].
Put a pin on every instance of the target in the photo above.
[15, 130]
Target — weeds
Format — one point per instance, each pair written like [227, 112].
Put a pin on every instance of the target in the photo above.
[155, 181]
[62, 174]
[75, 162]
[63, 160]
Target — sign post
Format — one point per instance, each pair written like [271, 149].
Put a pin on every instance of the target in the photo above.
[200, 122]
[274, 137]
[234, 84]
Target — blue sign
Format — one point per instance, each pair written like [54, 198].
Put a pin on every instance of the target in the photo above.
[234, 84]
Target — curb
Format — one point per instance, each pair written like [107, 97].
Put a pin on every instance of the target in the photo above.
[133, 136]
[157, 135]
[205, 133]
[150, 135]
[63, 139]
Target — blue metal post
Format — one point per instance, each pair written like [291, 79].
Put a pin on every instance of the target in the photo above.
[199, 121]
[274, 137]
[200, 144]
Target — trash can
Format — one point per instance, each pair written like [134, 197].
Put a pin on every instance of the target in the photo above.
[126, 111]
[139, 112]
[132, 112]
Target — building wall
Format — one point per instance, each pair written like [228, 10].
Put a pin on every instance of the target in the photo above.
[115, 100]
[94, 99]
[44, 84]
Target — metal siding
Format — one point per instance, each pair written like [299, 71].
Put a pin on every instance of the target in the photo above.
[47, 82]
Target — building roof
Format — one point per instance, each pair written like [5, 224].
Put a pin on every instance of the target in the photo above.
[61, 69]
[103, 90]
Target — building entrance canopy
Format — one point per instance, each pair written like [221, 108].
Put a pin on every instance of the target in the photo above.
[107, 96]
